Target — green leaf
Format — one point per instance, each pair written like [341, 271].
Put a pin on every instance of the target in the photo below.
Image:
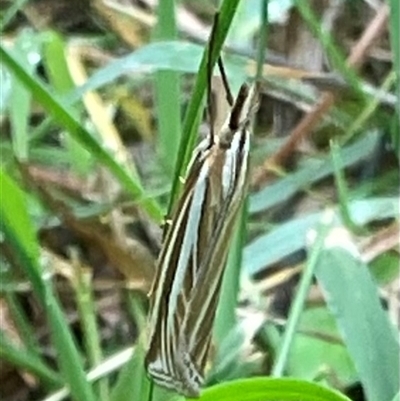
[22, 323]
[353, 298]
[397, 397]
[267, 389]
[386, 267]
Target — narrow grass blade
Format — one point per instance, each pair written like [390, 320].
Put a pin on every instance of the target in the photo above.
[335, 54]
[55, 63]
[26, 44]
[83, 286]
[24, 359]
[167, 86]
[342, 191]
[12, 10]
[193, 111]
[299, 301]
[21, 321]
[75, 128]
[395, 44]
[18, 231]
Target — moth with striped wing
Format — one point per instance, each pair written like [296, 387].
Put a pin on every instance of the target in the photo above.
[190, 268]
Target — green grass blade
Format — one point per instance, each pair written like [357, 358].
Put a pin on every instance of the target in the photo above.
[194, 109]
[335, 54]
[25, 360]
[108, 367]
[21, 321]
[342, 190]
[353, 298]
[167, 88]
[83, 286]
[55, 63]
[370, 109]
[11, 12]
[19, 233]
[20, 98]
[17, 228]
[299, 301]
[395, 45]
[77, 131]
[179, 56]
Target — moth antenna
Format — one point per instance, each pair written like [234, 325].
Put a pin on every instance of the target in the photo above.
[229, 96]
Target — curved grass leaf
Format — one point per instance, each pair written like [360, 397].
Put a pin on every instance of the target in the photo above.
[161, 56]
[178, 56]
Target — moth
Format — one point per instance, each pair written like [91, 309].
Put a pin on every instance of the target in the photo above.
[190, 268]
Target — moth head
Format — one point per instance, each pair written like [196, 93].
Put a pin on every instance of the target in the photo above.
[241, 113]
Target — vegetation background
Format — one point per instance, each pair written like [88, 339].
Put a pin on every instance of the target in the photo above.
[101, 103]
